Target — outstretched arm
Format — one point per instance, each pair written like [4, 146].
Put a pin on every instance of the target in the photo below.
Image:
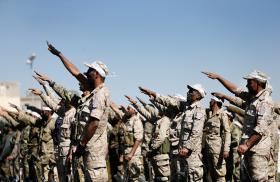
[227, 84]
[68, 64]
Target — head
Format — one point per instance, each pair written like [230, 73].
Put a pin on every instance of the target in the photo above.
[215, 104]
[96, 73]
[256, 81]
[254, 86]
[196, 93]
[193, 95]
[46, 113]
[131, 111]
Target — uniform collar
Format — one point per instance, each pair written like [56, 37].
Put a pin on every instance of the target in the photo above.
[262, 94]
[98, 88]
[216, 114]
[195, 104]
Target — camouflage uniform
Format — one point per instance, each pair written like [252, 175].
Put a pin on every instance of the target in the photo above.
[47, 148]
[257, 119]
[68, 116]
[8, 142]
[192, 122]
[217, 141]
[45, 144]
[77, 126]
[30, 145]
[150, 114]
[133, 128]
[233, 162]
[96, 150]
[160, 148]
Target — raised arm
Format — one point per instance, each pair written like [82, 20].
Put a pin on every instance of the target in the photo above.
[59, 89]
[140, 108]
[68, 65]
[227, 84]
[48, 101]
[45, 87]
[233, 100]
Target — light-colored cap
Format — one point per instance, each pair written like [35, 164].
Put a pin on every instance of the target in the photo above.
[28, 111]
[199, 88]
[46, 109]
[257, 75]
[216, 99]
[36, 114]
[100, 67]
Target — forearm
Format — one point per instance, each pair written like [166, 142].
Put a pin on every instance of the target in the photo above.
[253, 140]
[89, 131]
[72, 69]
[61, 91]
[142, 111]
[135, 146]
[228, 85]
[10, 119]
[25, 118]
[167, 102]
[50, 102]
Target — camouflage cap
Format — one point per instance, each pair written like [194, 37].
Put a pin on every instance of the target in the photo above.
[257, 75]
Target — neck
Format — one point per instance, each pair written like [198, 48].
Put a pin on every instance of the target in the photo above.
[85, 93]
[215, 108]
[258, 91]
[194, 101]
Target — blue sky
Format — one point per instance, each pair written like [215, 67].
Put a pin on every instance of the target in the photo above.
[160, 44]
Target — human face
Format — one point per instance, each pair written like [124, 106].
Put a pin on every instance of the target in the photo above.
[252, 86]
[212, 103]
[192, 95]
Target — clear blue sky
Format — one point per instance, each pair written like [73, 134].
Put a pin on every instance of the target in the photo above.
[160, 44]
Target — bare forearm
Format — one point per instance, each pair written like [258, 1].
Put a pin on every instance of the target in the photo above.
[253, 140]
[72, 69]
[228, 85]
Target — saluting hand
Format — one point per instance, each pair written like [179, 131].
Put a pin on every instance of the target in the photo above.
[52, 49]
[211, 75]
[219, 95]
[132, 101]
[42, 77]
[35, 91]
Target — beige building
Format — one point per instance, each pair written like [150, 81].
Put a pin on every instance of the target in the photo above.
[10, 93]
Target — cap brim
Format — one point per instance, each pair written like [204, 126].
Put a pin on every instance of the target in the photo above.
[87, 65]
[190, 87]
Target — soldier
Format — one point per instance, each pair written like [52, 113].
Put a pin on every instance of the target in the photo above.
[67, 113]
[217, 140]
[132, 128]
[46, 166]
[256, 142]
[192, 122]
[93, 143]
[159, 145]
[149, 112]
[8, 142]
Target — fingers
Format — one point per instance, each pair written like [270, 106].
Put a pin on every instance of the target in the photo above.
[205, 72]
[37, 73]
[129, 98]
